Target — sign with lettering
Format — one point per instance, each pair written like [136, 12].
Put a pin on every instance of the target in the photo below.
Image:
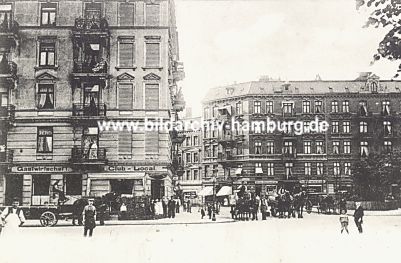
[312, 181]
[133, 168]
[41, 169]
[266, 182]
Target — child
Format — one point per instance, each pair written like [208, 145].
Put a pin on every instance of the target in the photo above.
[344, 221]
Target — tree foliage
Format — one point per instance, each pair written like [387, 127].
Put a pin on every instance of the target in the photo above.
[374, 175]
[386, 14]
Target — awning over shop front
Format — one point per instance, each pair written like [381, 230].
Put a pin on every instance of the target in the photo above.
[238, 171]
[258, 170]
[225, 190]
[208, 190]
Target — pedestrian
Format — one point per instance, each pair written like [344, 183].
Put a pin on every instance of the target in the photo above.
[202, 212]
[209, 211]
[177, 205]
[89, 217]
[344, 221]
[171, 208]
[12, 218]
[123, 211]
[165, 206]
[102, 211]
[358, 217]
[189, 206]
[263, 207]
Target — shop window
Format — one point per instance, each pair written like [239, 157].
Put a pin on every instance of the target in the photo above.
[73, 184]
[40, 184]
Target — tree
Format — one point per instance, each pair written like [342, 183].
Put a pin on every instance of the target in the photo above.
[374, 175]
[386, 14]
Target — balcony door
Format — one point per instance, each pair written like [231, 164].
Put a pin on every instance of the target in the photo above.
[90, 142]
[91, 100]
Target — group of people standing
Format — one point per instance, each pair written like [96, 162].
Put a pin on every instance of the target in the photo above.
[168, 208]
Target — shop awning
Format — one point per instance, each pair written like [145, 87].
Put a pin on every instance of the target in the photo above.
[258, 170]
[208, 190]
[238, 171]
[225, 190]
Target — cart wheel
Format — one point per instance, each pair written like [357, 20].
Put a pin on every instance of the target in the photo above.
[48, 219]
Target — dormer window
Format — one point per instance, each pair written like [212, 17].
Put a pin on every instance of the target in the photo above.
[373, 87]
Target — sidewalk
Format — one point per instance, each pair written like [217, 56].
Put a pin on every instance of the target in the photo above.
[182, 218]
[371, 213]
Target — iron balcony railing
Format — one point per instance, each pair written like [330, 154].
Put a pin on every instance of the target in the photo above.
[80, 155]
[85, 110]
[90, 67]
[91, 24]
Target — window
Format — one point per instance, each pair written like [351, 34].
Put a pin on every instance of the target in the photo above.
[188, 175]
[288, 108]
[319, 168]
[257, 106]
[206, 171]
[239, 149]
[196, 140]
[214, 111]
[125, 96]
[346, 127]
[387, 127]
[152, 55]
[45, 140]
[126, 54]
[3, 99]
[196, 157]
[318, 106]
[363, 108]
[152, 15]
[307, 126]
[334, 106]
[388, 147]
[337, 169]
[196, 177]
[306, 106]
[307, 147]
[152, 141]
[215, 148]
[270, 147]
[308, 168]
[364, 150]
[73, 184]
[258, 147]
[47, 51]
[269, 106]
[5, 15]
[334, 127]
[288, 170]
[319, 147]
[386, 107]
[126, 14]
[48, 14]
[287, 147]
[187, 141]
[336, 147]
[270, 169]
[347, 147]
[40, 184]
[347, 168]
[151, 96]
[215, 170]
[125, 143]
[345, 106]
[206, 113]
[363, 127]
[188, 157]
[238, 107]
[45, 96]
[207, 151]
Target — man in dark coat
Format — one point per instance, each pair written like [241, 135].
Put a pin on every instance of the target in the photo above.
[358, 217]
[89, 215]
[165, 206]
[171, 208]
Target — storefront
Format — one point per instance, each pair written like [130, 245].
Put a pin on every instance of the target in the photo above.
[35, 184]
[266, 187]
[130, 180]
[313, 186]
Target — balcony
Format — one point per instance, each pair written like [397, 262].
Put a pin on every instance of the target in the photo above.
[94, 155]
[8, 70]
[227, 141]
[8, 32]
[224, 157]
[177, 166]
[88, 111]
[178, 101]
[8, 113]
[288, 155]
[7, 156]
[176, 138]
[93, 26]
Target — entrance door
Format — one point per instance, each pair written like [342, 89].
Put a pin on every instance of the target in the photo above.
[13, 188]
[157, 189]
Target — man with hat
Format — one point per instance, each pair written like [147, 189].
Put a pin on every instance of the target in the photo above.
[89, 217]
[13, 217]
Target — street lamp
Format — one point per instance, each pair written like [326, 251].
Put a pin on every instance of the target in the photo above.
[214, 199]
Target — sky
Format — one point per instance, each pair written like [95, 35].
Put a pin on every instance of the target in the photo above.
[227, 42]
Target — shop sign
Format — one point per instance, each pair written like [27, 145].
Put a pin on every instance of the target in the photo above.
[312, 181]
[132, 168]
[41, 169]
[266, 182]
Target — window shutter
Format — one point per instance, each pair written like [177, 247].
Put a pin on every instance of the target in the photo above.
[152, 15]
[126, 14]
[126, 54]
[152, 96]
[152, 54]
[125, 95]
[125, 142]
[152, 141]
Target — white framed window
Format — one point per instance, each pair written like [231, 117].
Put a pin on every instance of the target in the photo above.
[308, 168]
[346, 126]
[269, 106]
[126, 52]
[337, 169]
[363, 127]
[364, 148]
[307, 147]
[336, 147]
[152, 14]
[319, 168]
[345, 107]
[257, 105]
[306, 106]
[347, 147]
[270, 169]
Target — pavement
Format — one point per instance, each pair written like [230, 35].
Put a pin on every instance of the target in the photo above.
[350, 212]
